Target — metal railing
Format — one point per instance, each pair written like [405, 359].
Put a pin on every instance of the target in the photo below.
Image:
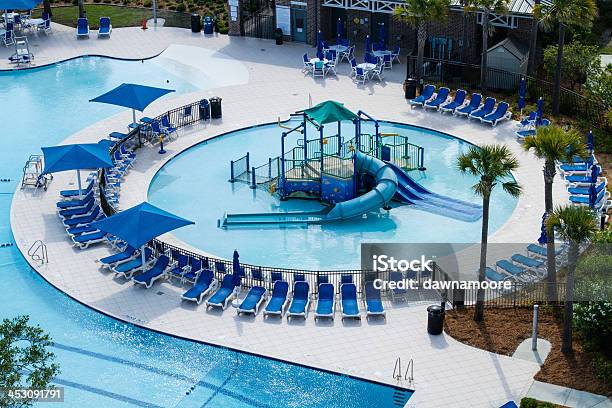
[38, 252]
[467, 76]
[239, 169]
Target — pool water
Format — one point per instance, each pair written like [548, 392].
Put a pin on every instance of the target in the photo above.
[105, 362]
[195, 185]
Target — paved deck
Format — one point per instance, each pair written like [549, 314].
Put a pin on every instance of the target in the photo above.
[447, 373]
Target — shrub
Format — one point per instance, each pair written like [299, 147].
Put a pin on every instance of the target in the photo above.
[533, 403]
[579, 62]
[603, 368]
[593, 322]
[181, 7]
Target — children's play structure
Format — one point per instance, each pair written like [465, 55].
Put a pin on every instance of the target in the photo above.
[352, 177]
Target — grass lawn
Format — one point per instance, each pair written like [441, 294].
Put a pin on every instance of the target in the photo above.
[120, 16]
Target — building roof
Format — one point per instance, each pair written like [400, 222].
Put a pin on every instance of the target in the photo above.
[514, 6]
[516, 48]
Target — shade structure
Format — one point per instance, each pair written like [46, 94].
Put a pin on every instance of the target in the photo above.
[368, 46]
[18, 4]
[339, 31]
[76, 157]
[383, 37]
[140, 224]
[522, 91]
[134, 96]
[236, 269]
[539, 111]
[543, 237]
[590, 144]
[328, 112]
[592, 195]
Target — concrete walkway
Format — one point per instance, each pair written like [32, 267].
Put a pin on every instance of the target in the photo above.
[567, 397]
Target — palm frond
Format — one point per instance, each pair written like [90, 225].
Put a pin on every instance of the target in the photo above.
[573, 223]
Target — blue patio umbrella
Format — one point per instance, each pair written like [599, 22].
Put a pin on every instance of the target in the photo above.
[236, 269]
[368, 47]
[134, 96]
[590, 144]
[76, 157]
[522, 90]
[140, 224]
[543, 235]
[594, 174]
[592, 195]
[319, 45]
[539, 111]
[383, 37]
[18, 4]
[339, 31]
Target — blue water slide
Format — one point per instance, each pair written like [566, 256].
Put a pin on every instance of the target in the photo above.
[413, 193]
[379, 196]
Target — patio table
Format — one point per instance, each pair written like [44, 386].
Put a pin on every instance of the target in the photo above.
[35, 21]
[366, 66]
[313, 60]
[2, 31]
[338, 48]
[381, 53]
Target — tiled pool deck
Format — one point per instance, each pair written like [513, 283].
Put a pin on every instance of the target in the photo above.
[447, 373]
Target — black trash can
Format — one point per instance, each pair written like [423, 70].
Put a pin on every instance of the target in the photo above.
[278, 36]
[208, 25]
[411, 86]
[204, 109]
[196, 26]
[435, 319]
[215, 107]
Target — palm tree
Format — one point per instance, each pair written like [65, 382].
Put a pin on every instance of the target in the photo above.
[418, 13]
[493, 164]
[564, 13]
[575, 225]
[553, 144]
[486, 7]
[81, 9]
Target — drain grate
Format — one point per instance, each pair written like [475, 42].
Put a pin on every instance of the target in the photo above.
[159, 292]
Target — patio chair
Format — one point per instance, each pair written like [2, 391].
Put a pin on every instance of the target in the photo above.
[318, 69]
[110, 261]
[308, 66]
[300, 301]
[45, 26]
[484, 110]
[158, 271]
[473, 104]
[105, 27]
[527, 262]
[8, 38]
[71, 194]
[79, 211]
[346, 278]
[348, 54]
[326, 302]
[353, 63]
[205, 284]
[169, 128]
[76, 203]
[128, 269]
[224, 294]
[84, 219]
[331, 65]
[276, 276]
[511, 269]
[253, 301]
[426, 95]
[396, 293]
[360, 75]
[374, 305]
[83, 241]
[348, 301]
[529, 120]
[387, 60]
[500, 114]
[377, 71]
[82, 27]
[396, 54]
[279, 299]
[181, 266]
[440, 98]
[457, 102]
[193, 271]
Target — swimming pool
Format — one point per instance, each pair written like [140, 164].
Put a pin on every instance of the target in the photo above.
[105, 362]
[195, 185]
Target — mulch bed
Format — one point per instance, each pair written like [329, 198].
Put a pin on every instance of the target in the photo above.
[504, 329]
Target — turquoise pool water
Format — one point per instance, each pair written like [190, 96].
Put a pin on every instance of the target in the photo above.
[195, 185]
[106, 363]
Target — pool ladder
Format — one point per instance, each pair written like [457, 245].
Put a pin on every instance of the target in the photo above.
[38, 252]
[397, 371]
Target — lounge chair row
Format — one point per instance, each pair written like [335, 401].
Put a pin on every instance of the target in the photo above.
[524, 268]
[472, 108]
[579, 179]
[83, 27]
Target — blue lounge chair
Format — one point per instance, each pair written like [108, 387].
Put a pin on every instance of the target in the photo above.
[427, 94]
[326, 303]
[348, 301]
[374, 305]
[169, 128]
[105, 27]
[581, 167]
[83, 241]
[85, 219]
[300, 301]
[470, 107]
[581, 178]
[600, 201]
[484, 110]
[82, 28]
[109, 261]
[75, 203]
[577, 191]
[440, 98]
[455, 103]
[128, 269]
[279, 300]
[346, 278]
[540, 251]
[529, 120]
[530, 131]
[72, 212]
[501, 113]
[195, 269]
[527, 261]
[205, 283]
[181, 267]
[512, 269]
[71, 194]
[158, 271]
[276, 276]
[224, 294]
[253, 301]
[397, 293]
[492, 275]
[83, 229]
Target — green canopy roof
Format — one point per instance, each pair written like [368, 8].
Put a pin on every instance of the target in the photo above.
[329, 111]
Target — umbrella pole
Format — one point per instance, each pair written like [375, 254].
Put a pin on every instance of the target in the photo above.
[79, 182]
[134, 116]
[142, 254]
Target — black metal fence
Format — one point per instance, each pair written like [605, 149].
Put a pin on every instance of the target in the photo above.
[520, 294]
[258, 26]
[467, 76]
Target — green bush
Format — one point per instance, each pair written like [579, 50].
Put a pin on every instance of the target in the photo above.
[533, 403]
[181, 7]
[603, 368]
[593, 322]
